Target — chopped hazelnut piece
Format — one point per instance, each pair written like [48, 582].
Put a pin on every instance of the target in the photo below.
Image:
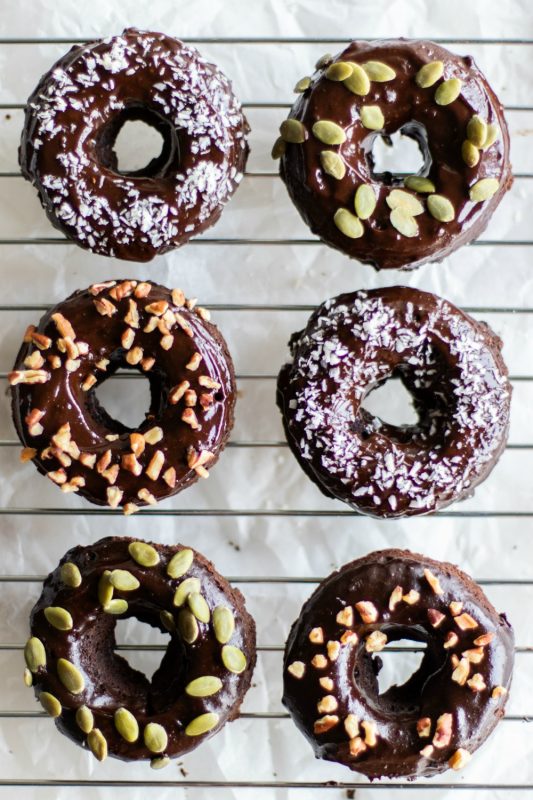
[190, 418]
[423, 727]
[333, 650]
[153, 436]
[203, 313]
[411, 597]
[112, 437]
[88, 459]
[156, 465]
[454, 660]
[466, 622]
[451, 640]
[111, 474]
[326, 684]
[178, 298]
[102, 364]
[443, 731]
[191, 302]
[208, 383]
[327, 704]
[72, 364]
[435, 617]
[104, 307]
[477, 682]
[142, 290]
[34, 361]
[184, 325]
[27, 453]
[375, 642]
[127, 338]
[137, 443]
[146, 496]
[367, 611]
[319, 661]
[129, 509]
[167, 341]
[158, 308]
[357, 746]
[62, 436]
[351, 726]
[59, 476]
[370, 728]
[28, 376]
[461, 672]
[206, 400]
[169, 476]
[104, 461]
[349, 637]
[88, 383]
[459, 759]
[147, 363]
[195, 362]
[427, 751]
[195, 459]
[134, 356]
[73, 485]
[132, 317]
[178, 392]
[114, 496]
[190, 398]
[97, 288]
[345, 616]
[395, 598]
[455, 608]
[484, 639]
[122, 290]
[433, 581]
[130, 463]
[297, 669]
[324, 724]
[151, 325]
[498, 691]
[474, 655]
[316, 635]
[32, 421]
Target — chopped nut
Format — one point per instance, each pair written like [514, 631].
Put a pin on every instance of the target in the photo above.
[324, 724]
[158, 308]
[206, 400]
[411, 597]
[184, 325]
[466, 622]
[195, 459]
[201, 472]
[297, 669]
[127, 338]
[102, 364]
[69, 346]
[32, 421]
[167, 341]
[142, 290]
[443, 731]
[62, 457]
[72, 364]
[435, 617]
[114, 496]
[104, 462]
[316, 635]
[97, 288]
[111, 474]
[319, 661]
[327, 704]
[427, 751]
[88, 383]
[326, 684]
[146, 496]
[333, 650]
[28, 376]
[27, 453]
[153, 436]
[459, 759]
[178, 392]
[370, 729]
[349, 637]
[83, 348]
[62, 436]
[155, 466]
[423, 727]
[455, 608]
[367, 610]
[151, 325]
[122, 290]
[484, 639]
[105, 307]
[88, 459]
[169, 320]
[498, 691]
[178, 298]
[351, 726]
[477, 682]
[194, 363]
[203, 313]
[30, 330]
[59, 476]
[190, 418]
[208, 383]
[129, 509]
[433, 581]
[130, 463]
[345, 616]
[134, 356]
[461, 672]
[357, 746]
[137, 443]
[147, 363]
[454, 660]
[474, 655]
[375, 642]
[73, 485]
[451, 640]
[34, 361]
[190, 398]
[169, 476]
[54, 361]
[395, 598]
[41, 341]
[191, 302]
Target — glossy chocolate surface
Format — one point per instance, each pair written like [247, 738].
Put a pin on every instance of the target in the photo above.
[429, 693]
[135, 326]
[110, 682]
[451, 365]
[75, 114]
[440, 132]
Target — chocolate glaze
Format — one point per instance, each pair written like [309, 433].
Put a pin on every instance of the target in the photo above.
[440, 132]
[65, 398]
[110, 682]
[430, 692]
[75, 114]
[453, 368]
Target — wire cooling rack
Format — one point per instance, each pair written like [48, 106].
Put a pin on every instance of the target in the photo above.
[247, 520]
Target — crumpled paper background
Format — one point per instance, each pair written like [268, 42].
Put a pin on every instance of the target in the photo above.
[278, 266]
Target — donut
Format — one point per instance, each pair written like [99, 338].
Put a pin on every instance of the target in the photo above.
[443, 712]
[96, 698]
[83, 341]
[375, 89]
[72, 121]
[449, 363]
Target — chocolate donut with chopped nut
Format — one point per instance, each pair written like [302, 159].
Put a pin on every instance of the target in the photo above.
[82, 342]
[376, 89]
[450, 364]
[96, 698]
[443, 712]
[73, 119]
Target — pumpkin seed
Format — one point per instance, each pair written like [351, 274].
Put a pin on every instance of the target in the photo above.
[204, 687]
[198, 605]
[59, 618]
[105, 588]
[185, 588]
[28, 677]
[180, 563]
[302, 85]
[34, 654]
[484, 189]
[279, 148]
[70, 676]
[372, 117]
[429, 74]
[339, 71]
[123, 580]
[400, 199]
[448, 91]
[378, 71]
[441, 208]
[126, 725]
[188, 626]
[155, 737]
[470, 153]
[358, 82]
[116, 607]
[233, 659]
[167, 620]
[51, 704]
[348, 223]
[70, 574]
[144, 554]
[97, 744]
[365, 201]
[476, 130]
[85, 719]
[160, 763]
[493, 134]
[419, 184]
[292, 130]
[404, 222]
[223, 624]
[202, 724]
[324, 60]
[332, 164]
[328, 132]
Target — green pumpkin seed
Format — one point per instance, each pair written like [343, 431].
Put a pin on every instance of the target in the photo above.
[379, 72]
[70, 676]
[85, 719]
[116, 607]
[233, 659]
[185, 588]
[448, 91]
[105, 588]
[51, 704]
[469, 153]
[160, 763]
[372, 117]
[70, 575]
[419, 184]
[34, 654]
[292, 130]
[144, 554]
[493, 134]
[400, 199]
[365, 201]
[202, 724]
[97, 744]
[155, 737]
[358, 82]
[484, 189]
[198, 605]
[126, 725]
[332, 164]
[204, 687]
[302, 85]
[339, 71]
[328, 132]
[223, 624]
[429, 74]
[476, 130]
[59, 618]
[123, 580]
[441, 208]
[324, 60]
[28, 677]
[180, 563]
[348, 223]
[167, 620]
[188, 626]
[279, 148]
[404, 222]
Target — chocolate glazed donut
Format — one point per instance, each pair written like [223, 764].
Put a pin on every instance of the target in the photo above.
[443, 712]
[84, 340]
[423, 91]
[73, 119]
[450, 364]
[96, 698]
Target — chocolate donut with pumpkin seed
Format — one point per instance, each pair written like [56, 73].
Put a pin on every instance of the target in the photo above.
[449, 705]
[372, 89]
[95, 697]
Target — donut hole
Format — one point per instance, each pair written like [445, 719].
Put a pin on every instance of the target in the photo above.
[141, 645]
[399, 662]
[394, 156]
[122, 402]
[389, 403]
